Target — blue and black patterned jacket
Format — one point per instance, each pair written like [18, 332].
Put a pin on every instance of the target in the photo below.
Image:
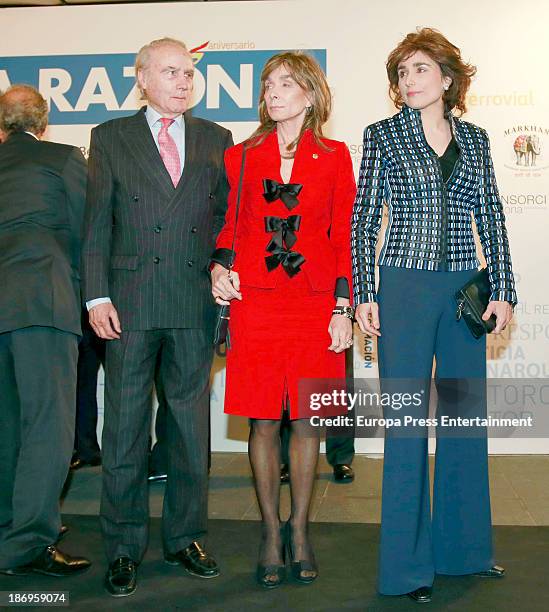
[430, 221]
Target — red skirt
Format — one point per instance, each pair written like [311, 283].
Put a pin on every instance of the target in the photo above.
[278, 337]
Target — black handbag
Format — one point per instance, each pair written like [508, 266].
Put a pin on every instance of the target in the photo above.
[472, 300]
[221, 330]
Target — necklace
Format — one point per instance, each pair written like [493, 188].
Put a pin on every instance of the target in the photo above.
[284, 153]
[282, 147]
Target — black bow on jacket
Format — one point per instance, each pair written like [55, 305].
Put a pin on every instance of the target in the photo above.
[287, 192]
[281, 243]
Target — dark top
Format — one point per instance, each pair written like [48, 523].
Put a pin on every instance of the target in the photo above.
[42, 197]
[448, 159]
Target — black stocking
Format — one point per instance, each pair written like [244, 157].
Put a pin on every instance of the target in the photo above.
[304, 448]
[264, 453]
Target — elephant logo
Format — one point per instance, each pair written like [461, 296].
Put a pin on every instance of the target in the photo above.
[527, 148]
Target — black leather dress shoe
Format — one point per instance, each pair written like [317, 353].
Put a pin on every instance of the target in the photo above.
[77, 463]
[285, 474]
[421, 595]
[157, 476]
[343, 473]
[494, 572]
[51, 562]
[195, 560]
[121, 577]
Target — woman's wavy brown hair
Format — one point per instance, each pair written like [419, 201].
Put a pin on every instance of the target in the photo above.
[307, 73]
[445, 54]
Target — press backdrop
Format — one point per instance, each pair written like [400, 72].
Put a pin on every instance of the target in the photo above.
[81, 58]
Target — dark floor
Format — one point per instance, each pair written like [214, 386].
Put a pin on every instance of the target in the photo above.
[346, 548]
[347, 557]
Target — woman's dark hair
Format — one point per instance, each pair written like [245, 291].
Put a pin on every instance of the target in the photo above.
[445, 54]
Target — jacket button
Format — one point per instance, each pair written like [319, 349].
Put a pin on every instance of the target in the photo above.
[190, 263]
[158, 229]
[156, 260]
[211, 196]
[135, 198]
[194, 230]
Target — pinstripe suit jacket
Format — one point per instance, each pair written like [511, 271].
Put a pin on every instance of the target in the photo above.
[146, 243]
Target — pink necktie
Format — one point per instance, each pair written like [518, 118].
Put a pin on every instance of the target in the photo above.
[169, 152]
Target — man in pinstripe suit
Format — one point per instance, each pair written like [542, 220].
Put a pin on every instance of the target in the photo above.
[156, 199]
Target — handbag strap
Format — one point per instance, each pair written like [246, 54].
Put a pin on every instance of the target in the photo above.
[238, 193]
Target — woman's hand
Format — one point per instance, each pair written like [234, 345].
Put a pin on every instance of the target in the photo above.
[225, 285]
[503, 312]
[367, 316]
[341, 333]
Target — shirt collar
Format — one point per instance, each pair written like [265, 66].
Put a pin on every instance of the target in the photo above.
[33, 135]
[153, 116]
[414, 115]
[414, 112]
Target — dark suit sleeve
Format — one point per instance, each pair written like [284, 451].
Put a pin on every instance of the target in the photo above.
[74, 177]
[222, 191]
[98, 222]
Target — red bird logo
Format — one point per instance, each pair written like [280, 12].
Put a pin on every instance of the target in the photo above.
[196, 52]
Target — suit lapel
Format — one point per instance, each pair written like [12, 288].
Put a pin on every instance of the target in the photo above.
[195, 161]
[140, 141]
[270, 157]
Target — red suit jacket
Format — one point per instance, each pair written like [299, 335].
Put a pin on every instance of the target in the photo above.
[325, 206]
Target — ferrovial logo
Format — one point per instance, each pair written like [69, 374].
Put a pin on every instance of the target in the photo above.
[509, 98]
[527, 149]
[90, 89]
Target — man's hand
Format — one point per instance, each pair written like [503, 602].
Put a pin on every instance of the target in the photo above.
[503, 312]
[225, 285]
[105, 322]
[367, 316]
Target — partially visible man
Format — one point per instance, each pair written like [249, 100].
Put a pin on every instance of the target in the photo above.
[91, 355]
[42, 196]
[157, 196]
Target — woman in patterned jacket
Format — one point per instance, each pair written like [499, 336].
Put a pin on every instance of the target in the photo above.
[435, 173]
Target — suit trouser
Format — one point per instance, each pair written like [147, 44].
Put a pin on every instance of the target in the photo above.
[91, 354]
[37, 391]
[417, 316]
[180, 359]
[159, 457]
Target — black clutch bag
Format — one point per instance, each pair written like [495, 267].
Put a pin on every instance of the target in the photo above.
[472, 300]
[221, 331]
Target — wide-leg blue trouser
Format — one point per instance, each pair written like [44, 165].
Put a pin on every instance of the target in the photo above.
[418, 322]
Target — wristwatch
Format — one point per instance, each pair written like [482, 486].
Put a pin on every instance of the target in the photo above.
[346, 311]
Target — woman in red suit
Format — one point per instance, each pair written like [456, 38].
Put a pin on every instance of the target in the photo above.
[289, 290]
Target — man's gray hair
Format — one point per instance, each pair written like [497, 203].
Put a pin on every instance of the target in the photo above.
[23, 109]
[143, 57]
